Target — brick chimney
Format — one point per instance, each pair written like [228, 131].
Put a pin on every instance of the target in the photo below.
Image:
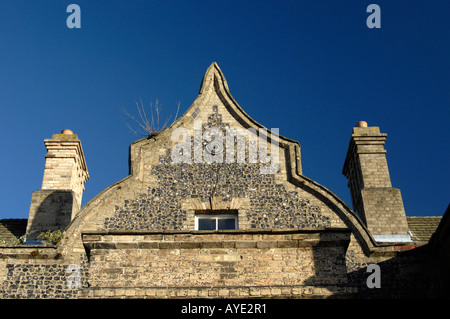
[379, 205]
[55, 205]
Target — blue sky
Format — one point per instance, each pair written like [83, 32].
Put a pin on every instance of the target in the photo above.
[313, 69]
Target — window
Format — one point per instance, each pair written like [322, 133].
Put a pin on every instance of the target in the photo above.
[216, 222]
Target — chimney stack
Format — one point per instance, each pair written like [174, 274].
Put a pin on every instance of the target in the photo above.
[379, 205]
[55, 205]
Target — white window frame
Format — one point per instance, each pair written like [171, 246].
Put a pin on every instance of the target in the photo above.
[216, 217]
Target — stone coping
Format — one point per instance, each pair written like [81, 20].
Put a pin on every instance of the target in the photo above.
[28, 246]
[29, 252]
[205, 232]
[238, 239]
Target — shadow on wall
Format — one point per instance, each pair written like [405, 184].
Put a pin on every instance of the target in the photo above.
[12, 229]
[50, 210]
[330, 265]
[411, 274]
[420, 273]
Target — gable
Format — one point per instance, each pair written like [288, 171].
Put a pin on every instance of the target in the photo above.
[215, 158]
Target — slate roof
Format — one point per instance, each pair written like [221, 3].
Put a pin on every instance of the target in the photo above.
[11, 229]
[422, 227]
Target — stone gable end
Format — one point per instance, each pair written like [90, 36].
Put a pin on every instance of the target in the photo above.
[215, 205]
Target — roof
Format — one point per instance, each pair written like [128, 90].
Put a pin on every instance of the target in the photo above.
[11, 229]
[422, 227]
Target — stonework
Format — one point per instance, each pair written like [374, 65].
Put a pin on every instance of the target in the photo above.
[57, 202]
[379, 205]
[290, 236]
[273, 207]
[65, 166]
[230, 261]
[44, 204]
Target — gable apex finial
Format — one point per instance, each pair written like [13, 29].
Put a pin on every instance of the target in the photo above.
[211, 73]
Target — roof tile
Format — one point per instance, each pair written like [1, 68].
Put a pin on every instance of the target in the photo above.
[422, 227]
